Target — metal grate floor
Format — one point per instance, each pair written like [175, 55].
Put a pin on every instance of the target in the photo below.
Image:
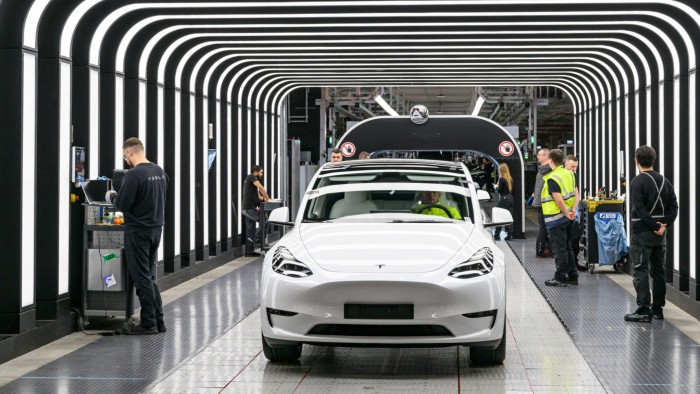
[128, 364]
[540, 357]
[627, 357]
[213, 345]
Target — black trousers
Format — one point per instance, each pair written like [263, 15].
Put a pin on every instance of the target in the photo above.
[141, 248]
[542, 235]
[252, 234]
[506, 202]
[576, 239]
[560, 241]
[648, 255]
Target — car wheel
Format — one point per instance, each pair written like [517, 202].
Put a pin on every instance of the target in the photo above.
[281, 353]
[485, 355]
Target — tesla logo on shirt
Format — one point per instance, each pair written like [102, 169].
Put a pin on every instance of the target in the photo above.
[381, 265]
[156, 178]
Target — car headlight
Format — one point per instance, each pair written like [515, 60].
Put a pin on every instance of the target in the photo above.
[481, 263]
[284, 263]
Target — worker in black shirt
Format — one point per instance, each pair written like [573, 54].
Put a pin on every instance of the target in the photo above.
[488, 169]
[253, 193]
[141, 198]
[654, 209]
[505, 198]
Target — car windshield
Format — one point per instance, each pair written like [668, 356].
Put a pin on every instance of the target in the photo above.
[399, 198]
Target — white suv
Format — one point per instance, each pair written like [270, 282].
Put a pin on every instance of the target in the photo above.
[386, 252]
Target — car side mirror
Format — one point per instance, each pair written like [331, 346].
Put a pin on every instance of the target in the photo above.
[280, 217]
[500, 217]
[483, 195]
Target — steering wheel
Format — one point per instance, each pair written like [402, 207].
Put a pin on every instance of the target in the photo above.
[428, 206]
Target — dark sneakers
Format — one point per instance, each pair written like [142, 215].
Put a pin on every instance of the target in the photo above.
[638, 317]
[657, 313]
[546, 252]
[643, 316]
[555, 282]
[139, 330]
[573, 281]
[161, 326]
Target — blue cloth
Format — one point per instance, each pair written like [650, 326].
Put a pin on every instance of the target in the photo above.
[612, 239]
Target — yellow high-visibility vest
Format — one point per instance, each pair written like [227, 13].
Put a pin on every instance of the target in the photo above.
[567, 183]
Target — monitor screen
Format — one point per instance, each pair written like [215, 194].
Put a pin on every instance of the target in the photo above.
[117, 178]
[95, 190]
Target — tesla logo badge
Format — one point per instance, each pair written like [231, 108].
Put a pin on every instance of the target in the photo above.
[419, 114]
[381, 265]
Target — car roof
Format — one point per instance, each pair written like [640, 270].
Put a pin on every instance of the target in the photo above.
[394, 164]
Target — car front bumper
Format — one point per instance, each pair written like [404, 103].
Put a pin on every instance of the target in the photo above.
[438, 301]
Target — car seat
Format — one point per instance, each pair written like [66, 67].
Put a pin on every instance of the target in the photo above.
[353, 203]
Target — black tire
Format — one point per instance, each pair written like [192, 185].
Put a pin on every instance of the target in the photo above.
[281, 353]
[485, 355]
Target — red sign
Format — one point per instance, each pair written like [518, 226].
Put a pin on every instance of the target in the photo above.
[506, 148]
[347, 149]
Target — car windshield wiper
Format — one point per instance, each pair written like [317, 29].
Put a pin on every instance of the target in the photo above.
[418, 221]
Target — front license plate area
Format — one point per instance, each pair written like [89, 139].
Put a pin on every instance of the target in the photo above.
[379, 311]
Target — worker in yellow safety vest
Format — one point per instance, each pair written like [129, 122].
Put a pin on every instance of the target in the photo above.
[559, 204]
[430, 204]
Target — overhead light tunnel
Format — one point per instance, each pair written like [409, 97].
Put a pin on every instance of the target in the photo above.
[92, 73]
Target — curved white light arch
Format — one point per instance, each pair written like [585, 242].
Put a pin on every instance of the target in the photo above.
[183, 60]
[613, 75]
[31, 23]
[252, 102]
[158, 36]
[683, 7]
[206, 56]
[96, 43]
[115, 15]
[284, 91]
[72, 24]
[199, 46]
[240, 109]
[249, 126]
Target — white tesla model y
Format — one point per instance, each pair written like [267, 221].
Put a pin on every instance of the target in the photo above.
[384, 253]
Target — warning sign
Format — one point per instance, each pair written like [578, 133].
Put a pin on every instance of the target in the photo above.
[347, 149]
[506, 148]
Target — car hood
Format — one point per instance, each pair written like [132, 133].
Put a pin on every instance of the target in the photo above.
[383, 247]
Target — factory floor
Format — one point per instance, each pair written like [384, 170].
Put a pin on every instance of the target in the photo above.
[559, 340]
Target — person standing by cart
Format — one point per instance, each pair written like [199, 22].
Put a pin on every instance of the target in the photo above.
[142, 199]
[654, 209]
[571, 164]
